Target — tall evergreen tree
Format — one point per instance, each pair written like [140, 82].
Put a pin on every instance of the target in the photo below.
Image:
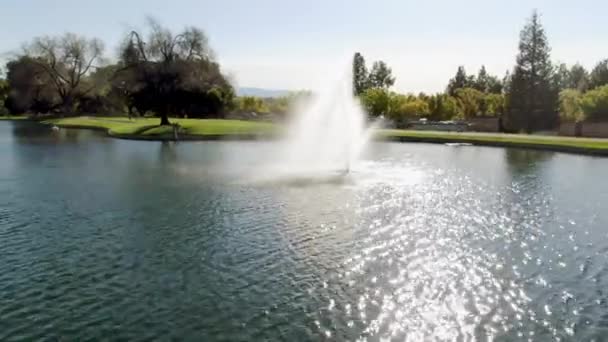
[599, 75]
[360, 77]
[381, 76]
[495, 86]
[579, 78]
[533, 96]
[485, 82]
[460, 80]
[575, 77]
[561, 77]
[482, 80]
[506, 82]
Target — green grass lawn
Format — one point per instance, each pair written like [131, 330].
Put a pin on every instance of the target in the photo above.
[118, 126]
[507, 139]
[13, 117]
[149, 128]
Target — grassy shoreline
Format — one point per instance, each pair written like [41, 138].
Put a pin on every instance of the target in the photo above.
[588, 146]
[148, 128]
[213, 129]
[13, 118]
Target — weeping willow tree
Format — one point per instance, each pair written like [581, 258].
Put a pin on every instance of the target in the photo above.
[166, 72]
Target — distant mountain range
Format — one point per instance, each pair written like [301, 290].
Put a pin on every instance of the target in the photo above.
[261, 92]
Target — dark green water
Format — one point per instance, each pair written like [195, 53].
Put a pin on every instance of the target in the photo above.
[126, 240]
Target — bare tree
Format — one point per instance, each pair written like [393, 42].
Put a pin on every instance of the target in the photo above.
[67, 60]
[194, 44]
[161, 45]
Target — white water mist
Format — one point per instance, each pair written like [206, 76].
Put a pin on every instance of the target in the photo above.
[327, 133]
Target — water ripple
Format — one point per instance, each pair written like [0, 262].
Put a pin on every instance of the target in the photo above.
[418, 243]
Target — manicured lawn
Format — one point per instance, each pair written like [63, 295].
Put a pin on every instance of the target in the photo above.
[16, 117]
[213, 127]
[507, 139]
[109, 123]
[149, 128]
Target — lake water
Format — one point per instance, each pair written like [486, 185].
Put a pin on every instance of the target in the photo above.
[114, 239]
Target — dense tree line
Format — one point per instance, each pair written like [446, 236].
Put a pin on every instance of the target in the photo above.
[576, 106]
[540, 93]
[380, 76]
[162, 73]
[268, 105]
[465, 97]
[158, 72]
[535, 95]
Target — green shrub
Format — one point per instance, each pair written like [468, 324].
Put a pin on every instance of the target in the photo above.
[594, 104]
[570, 106]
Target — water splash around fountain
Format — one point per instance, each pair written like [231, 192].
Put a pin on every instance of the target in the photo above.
[327, 134]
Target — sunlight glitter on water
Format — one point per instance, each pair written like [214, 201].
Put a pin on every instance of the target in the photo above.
[421, 265]
[418, 242]
[433, 252]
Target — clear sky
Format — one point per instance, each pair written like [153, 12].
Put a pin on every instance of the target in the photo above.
[289, 44]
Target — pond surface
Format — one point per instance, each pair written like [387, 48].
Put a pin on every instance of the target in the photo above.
[104, 238]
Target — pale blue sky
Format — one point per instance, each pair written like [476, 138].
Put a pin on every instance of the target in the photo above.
[294, 44]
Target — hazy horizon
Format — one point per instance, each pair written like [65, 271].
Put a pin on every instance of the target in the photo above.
[277, 45]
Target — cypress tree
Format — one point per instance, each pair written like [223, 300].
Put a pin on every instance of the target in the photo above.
[360, 78]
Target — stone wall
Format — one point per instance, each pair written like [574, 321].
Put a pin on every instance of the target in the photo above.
[436, 126]
[584, 129]
[481, 124]
[567, 129]
[595, 129]
[484, 124]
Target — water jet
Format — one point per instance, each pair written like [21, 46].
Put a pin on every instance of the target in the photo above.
[327, 133]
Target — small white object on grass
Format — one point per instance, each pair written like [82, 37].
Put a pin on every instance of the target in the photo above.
[458, 144]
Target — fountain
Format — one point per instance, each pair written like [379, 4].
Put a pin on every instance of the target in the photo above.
[326, 134]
